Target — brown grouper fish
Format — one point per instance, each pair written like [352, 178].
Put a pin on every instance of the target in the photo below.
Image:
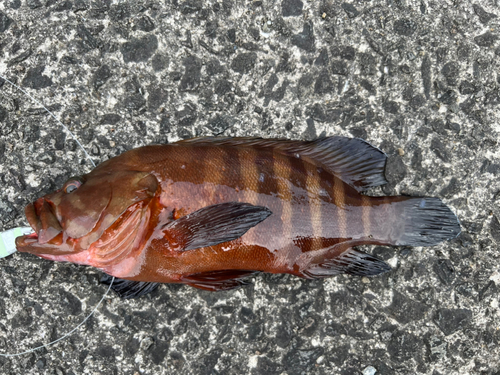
[209, 212]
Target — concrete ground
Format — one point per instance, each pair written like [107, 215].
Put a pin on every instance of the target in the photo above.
[419, 79]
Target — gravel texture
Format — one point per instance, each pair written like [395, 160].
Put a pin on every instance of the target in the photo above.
[419, 79]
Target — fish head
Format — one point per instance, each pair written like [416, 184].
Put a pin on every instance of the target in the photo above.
[71, 219]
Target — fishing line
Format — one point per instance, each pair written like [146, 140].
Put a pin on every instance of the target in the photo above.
[67, 334]
[52, 115]
[92, 162]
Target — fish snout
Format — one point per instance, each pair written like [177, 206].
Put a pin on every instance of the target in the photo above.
[48, 239]
[42, 218]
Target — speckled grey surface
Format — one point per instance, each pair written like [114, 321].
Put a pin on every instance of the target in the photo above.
[419, 79]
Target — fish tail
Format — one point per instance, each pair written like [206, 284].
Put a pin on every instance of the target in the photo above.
[424, 222]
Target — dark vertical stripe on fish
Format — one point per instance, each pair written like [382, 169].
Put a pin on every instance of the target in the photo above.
[313, 186]
[231, 167]
[210, 159]
[269, 187]
[301, 217]
[248, 172]
[193, 158]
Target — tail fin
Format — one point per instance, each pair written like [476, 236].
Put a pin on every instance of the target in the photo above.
[428, 221]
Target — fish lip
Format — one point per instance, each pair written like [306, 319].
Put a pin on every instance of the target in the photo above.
[30, 244]
[43, 220]
[25, 243]
[32, 217]
[49, 240]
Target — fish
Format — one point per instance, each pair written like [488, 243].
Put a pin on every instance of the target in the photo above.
[210, 212]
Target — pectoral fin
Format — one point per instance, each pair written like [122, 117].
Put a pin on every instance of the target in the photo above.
[127, 288]
[213, 225]
[218, 280]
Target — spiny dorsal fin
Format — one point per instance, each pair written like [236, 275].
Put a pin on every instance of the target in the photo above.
[353, 160]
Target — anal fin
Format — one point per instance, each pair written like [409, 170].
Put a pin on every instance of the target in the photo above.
[352, 262]
[218, 280]
[128, 289]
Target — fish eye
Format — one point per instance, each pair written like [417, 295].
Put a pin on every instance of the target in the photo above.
[71, 186]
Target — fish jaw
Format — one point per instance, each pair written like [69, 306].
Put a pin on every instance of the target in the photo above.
[82, 258]
[126, 268]
[48, 237]
[58, 247]
[42, 218]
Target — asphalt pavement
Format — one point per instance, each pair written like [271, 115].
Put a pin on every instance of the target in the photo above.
[418, 79]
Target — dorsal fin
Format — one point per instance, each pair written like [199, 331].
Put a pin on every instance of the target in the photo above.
[353, 160]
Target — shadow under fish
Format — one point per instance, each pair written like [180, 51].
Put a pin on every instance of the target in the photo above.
[210, 212]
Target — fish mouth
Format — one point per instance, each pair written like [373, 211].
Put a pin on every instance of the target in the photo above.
[48, 231]
[26, 240]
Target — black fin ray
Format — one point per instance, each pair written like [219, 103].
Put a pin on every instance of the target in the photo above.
[214, 224]
[352, 262]
[353, 160]
[128, 289]
[219, 280]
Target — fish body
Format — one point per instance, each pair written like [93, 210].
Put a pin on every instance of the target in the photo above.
[209, 212]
